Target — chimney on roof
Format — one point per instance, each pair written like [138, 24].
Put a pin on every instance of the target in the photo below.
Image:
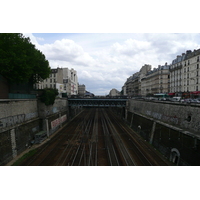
[188, 51]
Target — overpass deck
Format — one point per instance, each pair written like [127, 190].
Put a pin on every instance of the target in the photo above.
[89, 102]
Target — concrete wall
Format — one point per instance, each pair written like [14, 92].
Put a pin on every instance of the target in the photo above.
[181, 115]
[13, 112]
[20, 120]
[171, 128]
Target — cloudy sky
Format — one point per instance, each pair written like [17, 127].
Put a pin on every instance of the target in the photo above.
[106, 41]
[105, 60]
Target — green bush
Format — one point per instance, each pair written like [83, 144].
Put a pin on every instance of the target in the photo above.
[48, 96]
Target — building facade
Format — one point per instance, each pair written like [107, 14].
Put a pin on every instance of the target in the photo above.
[63, 79]
[114, 92]
[81, 90]
[184, 74]
[156, 81]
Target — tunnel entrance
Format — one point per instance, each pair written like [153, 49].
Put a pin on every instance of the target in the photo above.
[175, 156]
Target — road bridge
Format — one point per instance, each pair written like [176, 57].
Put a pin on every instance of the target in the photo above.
[97, 102]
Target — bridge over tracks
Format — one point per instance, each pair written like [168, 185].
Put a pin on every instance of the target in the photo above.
[96, 102]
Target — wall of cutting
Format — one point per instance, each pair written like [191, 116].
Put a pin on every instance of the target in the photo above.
[172, 128]
[20, 120]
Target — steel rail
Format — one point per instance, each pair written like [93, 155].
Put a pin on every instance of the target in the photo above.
[109, 146]
[140, 154]
[123, 150]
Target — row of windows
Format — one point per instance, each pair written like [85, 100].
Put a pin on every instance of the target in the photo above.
[186, 62]
[195, 88]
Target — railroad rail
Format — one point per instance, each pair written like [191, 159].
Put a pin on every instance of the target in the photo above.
[96, 137]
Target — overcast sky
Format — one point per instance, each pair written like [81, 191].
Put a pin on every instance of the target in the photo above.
[106, 41]
[104, 61]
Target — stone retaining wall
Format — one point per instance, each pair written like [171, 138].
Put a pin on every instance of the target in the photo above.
[184, 116]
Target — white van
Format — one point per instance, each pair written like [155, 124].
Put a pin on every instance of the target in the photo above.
[176, 98]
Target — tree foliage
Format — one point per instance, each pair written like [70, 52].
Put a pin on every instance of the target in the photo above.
[20, 61]
[48, 96]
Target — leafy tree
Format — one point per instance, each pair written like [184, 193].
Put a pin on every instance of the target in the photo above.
[20, 61]
[48, 96]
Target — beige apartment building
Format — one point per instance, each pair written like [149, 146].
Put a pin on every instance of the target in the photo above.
[81, 90]
[63, 79]
[114, 92]
[184, 74]
[148, 81]
[132, 85]
[156, 81]
[181, 78]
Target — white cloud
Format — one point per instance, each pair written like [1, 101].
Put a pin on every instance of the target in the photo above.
[130, 47]
[111, 58]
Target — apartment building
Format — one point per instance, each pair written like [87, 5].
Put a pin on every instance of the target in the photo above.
[70, 81]
[114, 92]
[124, 90]
[63, 79]
[156, 81]
[184, 74]
[176, 74]
[74, 82]
[81, 90]
[181, 78]
[190, 71]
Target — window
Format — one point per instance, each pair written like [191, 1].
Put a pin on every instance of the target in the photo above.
[197, 66]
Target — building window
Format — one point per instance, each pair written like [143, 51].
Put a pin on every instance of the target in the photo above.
[197, 73]
[197, 58]
[197, 66]
[197, 88]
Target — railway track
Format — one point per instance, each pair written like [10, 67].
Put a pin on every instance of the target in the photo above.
[96, 137]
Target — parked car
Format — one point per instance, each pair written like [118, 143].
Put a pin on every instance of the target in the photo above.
[176, 98]
[185, 100]
[195, 101]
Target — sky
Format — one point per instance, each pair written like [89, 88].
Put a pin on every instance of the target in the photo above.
[105, 41]
[104, 61]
